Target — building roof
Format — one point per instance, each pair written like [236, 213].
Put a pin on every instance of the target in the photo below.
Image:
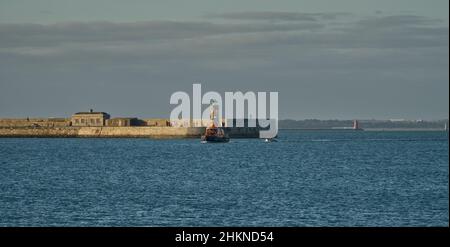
[123, 118]
[93, 113]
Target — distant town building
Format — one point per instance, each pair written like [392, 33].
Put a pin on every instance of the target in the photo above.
[156, 122]
[122, 122]
[90, 118]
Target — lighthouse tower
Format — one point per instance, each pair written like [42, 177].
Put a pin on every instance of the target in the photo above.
[356, 125]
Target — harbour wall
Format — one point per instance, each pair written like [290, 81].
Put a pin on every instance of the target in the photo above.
[34, 122]
[130, 132]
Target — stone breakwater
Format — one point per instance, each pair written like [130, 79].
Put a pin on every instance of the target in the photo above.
[100, 132]
[130, 132]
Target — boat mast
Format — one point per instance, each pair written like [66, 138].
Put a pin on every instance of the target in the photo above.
[213, 113]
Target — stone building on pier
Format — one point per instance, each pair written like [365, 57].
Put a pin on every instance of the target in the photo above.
[90, 118]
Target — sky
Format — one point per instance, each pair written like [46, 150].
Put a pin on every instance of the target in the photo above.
[328, 59]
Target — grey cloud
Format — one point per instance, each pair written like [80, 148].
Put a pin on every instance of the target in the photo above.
[279, 16]
[164, 44]
[396, 21]
[20, 35]
[170, 39]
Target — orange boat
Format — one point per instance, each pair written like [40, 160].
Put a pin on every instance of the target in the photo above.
[215, 134]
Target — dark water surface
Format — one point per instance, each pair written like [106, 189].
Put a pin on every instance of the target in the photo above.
[308, 178]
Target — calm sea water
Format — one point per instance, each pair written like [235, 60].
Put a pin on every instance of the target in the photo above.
[308, 178]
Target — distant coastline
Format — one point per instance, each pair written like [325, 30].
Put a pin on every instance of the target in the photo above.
[368, 125]
[367, 129]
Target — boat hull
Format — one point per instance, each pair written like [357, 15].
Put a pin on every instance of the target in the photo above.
[215, 139]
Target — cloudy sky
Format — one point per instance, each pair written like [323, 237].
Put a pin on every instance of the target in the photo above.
[329, 59]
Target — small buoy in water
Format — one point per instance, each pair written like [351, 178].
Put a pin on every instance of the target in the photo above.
[270, 140]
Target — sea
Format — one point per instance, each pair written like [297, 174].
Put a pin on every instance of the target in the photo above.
[306, 178]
